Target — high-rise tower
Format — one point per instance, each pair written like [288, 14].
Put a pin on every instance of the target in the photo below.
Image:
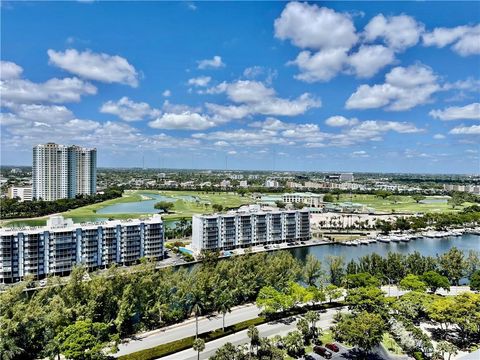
[61, 171]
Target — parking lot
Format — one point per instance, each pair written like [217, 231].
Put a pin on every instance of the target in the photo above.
[350, 354]
[343, 353]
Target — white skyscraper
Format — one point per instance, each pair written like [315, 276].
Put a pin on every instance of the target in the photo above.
[61, 171]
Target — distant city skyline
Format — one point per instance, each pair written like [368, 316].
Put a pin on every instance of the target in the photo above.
[330, 86]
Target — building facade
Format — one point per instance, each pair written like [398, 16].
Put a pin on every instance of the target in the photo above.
[245, 229]
[309, 199]
[60, 245]
[61, 171]
[23, 193]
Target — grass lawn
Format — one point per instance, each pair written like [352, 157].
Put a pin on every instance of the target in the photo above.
[184, 206]
[203, 204]
[391, 345]
[401, 203]
[343, 238]
[327, 337]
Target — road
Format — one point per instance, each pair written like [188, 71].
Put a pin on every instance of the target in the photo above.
[187, 328]
[238, 314]
[273, 328]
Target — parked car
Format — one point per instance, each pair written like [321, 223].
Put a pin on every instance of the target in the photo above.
[332, 347]
[43, 282]
[320, 350]
[309, 357]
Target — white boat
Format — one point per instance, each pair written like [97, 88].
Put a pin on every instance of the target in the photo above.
[384, 239]
[395, 238]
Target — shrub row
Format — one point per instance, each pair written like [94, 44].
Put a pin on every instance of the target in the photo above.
[186, 343]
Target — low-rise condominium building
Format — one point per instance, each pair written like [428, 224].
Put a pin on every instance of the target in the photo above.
[250, 228]
[56, 248]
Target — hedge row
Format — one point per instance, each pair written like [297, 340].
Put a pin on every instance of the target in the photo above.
[186, 343]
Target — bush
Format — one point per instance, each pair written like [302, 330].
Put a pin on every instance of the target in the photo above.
[418, 355]
[186, 343]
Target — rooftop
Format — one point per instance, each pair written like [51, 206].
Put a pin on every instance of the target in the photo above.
[59, 223]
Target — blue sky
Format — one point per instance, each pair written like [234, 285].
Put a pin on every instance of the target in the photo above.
[359, 86]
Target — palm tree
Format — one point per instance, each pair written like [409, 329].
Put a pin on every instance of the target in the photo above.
[224, 304]
[294, 343]
[198, 346]
[312, 317]
[254, 336]
[196, 305]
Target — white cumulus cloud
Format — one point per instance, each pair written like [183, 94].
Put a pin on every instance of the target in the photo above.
[404, 88]
[53, 90]
[398, 32]
[9, 70]
[369, 59]
[186, 120]
[340, 121]
[129, 110]
[215, 62]
[253, 97]
[467, 112]
[200, 81]
[466, 130]
[101, 67]
[310, 26]
[465, 40]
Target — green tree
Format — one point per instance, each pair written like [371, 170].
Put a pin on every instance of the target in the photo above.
[165, 206]
[312, 270]
[304, 328]
[328, 198]
[312, 317]
[128, 310]
[364, 330]
[224, 304]
[412, 305]
[198, 345]
[413, 283]
[455, 201]
[361, 280]
[472, 261]
[254, 337]
[280, 204]
[270, 300]
[227, 352]
[475, 281]
[84, 340]
[442, 311]
[293, 343]
[9, 350]
[435, 281]
[217, 207]
[196, 305]
[333, 292]
[445, 347]
[336, 266]
[452, 265]
[369, 299]
[383, 194]
[418, 198]
[466, 316]
[298, 205]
